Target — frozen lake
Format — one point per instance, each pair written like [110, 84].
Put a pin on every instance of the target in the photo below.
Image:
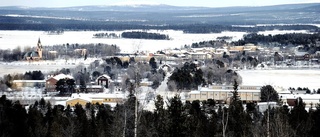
[285, 78]
[12, 39]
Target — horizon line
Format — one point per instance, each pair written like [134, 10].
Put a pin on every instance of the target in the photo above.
[136, 5]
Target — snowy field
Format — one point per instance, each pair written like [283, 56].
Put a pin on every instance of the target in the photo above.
[43, 66]
[284, 78]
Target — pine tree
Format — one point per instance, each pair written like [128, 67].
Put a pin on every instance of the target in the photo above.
[35, 122]
[239, 121]
[315, 130]
[104, 120]
[298, 118]
[161, 117]
[176, 118]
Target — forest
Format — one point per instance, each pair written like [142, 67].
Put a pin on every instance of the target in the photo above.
[144, 35]
[24, 23]
[170, 118]
[283, 39]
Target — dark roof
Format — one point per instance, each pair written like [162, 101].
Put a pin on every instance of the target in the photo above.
[31, 54]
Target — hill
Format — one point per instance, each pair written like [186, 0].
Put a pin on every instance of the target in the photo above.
[149, 16]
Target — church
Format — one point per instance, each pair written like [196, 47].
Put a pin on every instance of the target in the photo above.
[34, 55]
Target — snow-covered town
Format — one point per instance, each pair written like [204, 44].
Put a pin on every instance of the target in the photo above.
[81, 69]
[258, 61]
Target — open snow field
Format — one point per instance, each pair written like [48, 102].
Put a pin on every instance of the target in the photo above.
[43, 66]
[284, 78]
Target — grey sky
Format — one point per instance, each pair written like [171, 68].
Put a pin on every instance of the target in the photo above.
[205, 3]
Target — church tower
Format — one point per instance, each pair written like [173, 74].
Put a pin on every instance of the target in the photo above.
[39, 49]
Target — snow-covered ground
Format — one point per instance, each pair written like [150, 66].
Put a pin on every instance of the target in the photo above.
[284, 78]
[43, 66]
[30, 95]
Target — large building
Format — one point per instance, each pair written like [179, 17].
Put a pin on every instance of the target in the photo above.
[222, 94]
[101, 98]
[35, 55]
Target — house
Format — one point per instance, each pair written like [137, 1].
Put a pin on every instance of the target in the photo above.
[81, 52]
[200, 56]
[52, 80]
[166, 67]
[310, 100]
[19, 84]
[103, 80]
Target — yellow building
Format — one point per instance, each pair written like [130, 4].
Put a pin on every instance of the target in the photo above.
[73, 101]
[222, 94]
[100, 98]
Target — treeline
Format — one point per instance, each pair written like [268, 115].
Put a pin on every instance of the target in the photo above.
[210, 43]
[92, 50]
[11, 23]
[171, 119]
[282, 39]
[105, 35]
[64, 50]
[144, 35]
[9, 55]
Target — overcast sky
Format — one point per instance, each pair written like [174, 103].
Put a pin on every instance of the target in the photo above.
[205, 3]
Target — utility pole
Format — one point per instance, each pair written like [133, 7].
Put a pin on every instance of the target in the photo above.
[268, 113]
[136, 104]
[125, 123]
[136, 116]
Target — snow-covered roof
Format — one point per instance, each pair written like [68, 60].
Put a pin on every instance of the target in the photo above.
[298, 53]
[227, 90]
[199, 53]
[303, 96]
[91, 86]
[29, 81]
[194, 92]
[102, 95]
[62, 76]
[104, 75]
[98, 95]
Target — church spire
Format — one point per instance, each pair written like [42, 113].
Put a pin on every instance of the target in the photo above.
[39, 43]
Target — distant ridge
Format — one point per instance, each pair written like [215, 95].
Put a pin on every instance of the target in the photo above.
[149, 6]
[143, 15]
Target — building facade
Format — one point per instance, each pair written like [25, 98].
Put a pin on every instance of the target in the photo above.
[222, 94]
[110, 99]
